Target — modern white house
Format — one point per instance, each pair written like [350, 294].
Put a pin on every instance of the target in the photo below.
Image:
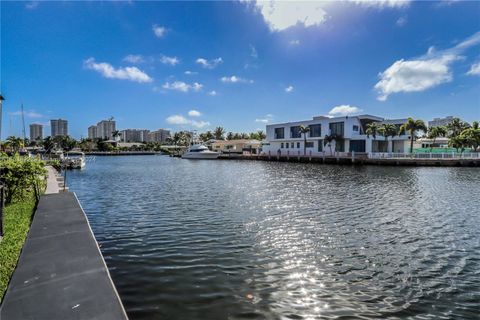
[349, 133]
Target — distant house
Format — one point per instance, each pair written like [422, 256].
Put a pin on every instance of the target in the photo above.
[239, 146]
[349, 134]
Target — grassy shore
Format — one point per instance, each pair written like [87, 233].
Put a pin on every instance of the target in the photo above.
[17, 218]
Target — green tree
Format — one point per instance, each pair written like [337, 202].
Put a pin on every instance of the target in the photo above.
[456, 126]
[48, 144]
[219, 133]
[434, 133]
[412, 126]
[22, 175]
[372, 130]
[471, 136]
[388, 130]
[116, 134]
[458, 142]
[304, 130]
[15, 143]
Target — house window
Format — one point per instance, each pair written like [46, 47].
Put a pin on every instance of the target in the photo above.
[295, 132]
[357, 145]
[298, 145]
[320, 145]
[281, 145]
[315, 130]
[279, 133]
[336, 128]
[355, 128]
[287, 145]
[292, 145]
[309, 144]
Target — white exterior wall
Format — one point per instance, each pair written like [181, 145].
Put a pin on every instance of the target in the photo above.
[276, 144]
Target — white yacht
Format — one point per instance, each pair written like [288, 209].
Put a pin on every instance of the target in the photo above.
[74, 160]
[199, 151]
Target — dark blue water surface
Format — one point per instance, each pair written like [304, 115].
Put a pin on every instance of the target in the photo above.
[187, 239]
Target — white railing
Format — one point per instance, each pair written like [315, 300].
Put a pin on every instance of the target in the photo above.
[445, 155]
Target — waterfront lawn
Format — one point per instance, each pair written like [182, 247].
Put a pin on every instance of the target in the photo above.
[17, 218]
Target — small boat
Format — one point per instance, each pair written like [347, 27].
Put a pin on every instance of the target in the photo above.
[74, 160]
[199, 151]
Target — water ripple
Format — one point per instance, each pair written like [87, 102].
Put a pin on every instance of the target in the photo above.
[259, 240]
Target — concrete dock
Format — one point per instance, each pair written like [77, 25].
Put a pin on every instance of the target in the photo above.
[61, 273]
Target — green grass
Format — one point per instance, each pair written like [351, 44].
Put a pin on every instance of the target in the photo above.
[17, 218]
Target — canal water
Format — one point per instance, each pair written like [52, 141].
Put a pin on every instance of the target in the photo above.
[187, 239]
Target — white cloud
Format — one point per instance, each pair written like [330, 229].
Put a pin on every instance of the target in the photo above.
[212, 93]
[200, 124]
[190, 73]
[289, 89]
[182, 86]
[194, 113]
[294, 42]
[343, 110]
[159, 31]
[28, 114]
[474, 70]
[134, 58]
[209, 64]
[108, 71]
[182, 121]
[32, 5]
[281, 15]
[383, 3]
[401, 21]
[267, 119]
[422, 73]
[178, 120]
[169, 60]
[414, 75]
[235, 79]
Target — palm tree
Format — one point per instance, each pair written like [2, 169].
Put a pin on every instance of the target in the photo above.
[48, 144]
[458, 142]
[434, 133]
[328, 139]
[412, 126]
[15, 143]
[456, 126]
[388, 130]
[304, 130]
[219, 132]
[261, 135]
[372, 130]
[472, 136]
[116, 134]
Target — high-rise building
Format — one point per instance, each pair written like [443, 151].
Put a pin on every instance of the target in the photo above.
[440, 122]
[36, 132]
[134, 135]
[161, 135]
[92, 132]
[59, 127]
[105, 129]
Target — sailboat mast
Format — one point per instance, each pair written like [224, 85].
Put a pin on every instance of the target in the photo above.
[23, 125]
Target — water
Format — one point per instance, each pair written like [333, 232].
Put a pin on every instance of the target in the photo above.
[187, 239]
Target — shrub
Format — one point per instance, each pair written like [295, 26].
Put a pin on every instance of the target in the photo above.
[22, 175]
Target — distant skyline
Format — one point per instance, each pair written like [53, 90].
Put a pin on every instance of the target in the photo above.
[239, 64]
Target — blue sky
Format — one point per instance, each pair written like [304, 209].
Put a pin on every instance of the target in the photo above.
[239, 64]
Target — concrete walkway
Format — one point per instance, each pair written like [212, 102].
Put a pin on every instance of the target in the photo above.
[53, 179]
[61, 273]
